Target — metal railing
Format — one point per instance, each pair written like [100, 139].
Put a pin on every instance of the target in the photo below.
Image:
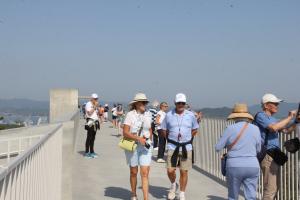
[207, 160]
[36, 173]
[12, 147]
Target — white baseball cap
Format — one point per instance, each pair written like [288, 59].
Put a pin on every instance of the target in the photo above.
[270, 98]
[180, 97]
[94, 96]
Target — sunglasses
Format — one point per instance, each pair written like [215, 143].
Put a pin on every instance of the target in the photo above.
[181, 103]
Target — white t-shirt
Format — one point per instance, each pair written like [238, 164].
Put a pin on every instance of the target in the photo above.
[135, 121]
[114, 111]
[88, 107]
[162, 115]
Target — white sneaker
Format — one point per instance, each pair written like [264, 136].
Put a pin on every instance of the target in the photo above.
[172, 192]
[160, 160]
[181, 196]
[134, 198]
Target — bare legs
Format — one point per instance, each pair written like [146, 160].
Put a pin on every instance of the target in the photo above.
[133, 180]
[183, 178]
[145, 180]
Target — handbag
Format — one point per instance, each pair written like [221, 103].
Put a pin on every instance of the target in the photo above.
[278, 156]
[229, 147]
[129, 144]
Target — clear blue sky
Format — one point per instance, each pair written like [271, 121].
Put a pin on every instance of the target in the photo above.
[217, 52]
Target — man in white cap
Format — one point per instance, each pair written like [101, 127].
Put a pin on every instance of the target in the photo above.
[270, 128]
[92, 125]
[179, 127]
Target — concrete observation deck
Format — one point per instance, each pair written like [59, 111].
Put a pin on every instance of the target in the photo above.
[107, 177]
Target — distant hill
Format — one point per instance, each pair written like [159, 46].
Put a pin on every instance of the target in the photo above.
[24, 107]
[41, 108]
[223, 112]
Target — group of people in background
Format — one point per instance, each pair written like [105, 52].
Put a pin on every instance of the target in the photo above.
[252, 142]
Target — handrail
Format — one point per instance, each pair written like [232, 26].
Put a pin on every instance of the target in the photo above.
[13, 164]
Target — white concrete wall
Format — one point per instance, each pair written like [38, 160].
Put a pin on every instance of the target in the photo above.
[62, 103]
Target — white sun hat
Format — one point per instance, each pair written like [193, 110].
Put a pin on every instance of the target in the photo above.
[180, 97]
[270, 98]
[94, 96]
[139, 97]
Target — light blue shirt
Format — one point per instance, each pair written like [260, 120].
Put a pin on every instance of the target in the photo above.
[180, 124]
[263, 121]
[244, 153]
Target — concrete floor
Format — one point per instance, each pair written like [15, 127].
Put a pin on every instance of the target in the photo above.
[107, 177]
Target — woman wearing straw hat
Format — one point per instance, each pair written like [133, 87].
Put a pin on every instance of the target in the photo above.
[243, 142]
[137, 126]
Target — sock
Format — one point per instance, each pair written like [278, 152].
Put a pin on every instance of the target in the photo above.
[182, 193]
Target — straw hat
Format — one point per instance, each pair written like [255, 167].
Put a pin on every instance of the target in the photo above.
[139, 97]
[240, 110]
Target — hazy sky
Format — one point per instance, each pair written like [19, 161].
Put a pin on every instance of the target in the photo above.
[217, 52]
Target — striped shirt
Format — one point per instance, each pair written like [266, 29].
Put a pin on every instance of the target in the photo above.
[154, 114]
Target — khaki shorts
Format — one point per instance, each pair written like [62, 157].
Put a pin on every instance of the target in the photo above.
[183, 164]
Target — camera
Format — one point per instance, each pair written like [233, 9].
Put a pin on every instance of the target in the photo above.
[148, 143]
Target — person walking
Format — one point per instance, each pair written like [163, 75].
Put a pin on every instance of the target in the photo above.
[106, 110]
[243, 142]
[153, 111]
[179, 127]
[92, 125]
[114, 115]
[270, 128]
[119, 119]
[137, 126]
[162, 140]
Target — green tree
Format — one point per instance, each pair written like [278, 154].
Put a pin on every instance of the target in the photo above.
[1, 117]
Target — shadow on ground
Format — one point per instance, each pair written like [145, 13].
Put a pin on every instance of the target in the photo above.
[81, 152]
[124, 194]
[116, 135]
[117, 193]
[211, 197]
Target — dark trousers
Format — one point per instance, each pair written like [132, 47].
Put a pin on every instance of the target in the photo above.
[90, 140]
[162, 145]
[155, 136]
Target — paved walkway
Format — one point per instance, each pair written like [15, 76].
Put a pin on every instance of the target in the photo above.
[107, 177]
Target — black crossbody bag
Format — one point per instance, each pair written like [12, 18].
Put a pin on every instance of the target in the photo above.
[278, 156]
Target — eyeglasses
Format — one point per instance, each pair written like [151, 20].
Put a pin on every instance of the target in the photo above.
[274, 104]
[181, 103]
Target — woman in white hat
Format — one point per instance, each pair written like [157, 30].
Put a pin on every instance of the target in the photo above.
[137, 126]
[243, 142]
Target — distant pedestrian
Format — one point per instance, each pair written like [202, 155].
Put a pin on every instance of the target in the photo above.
[270, 129]
[242, 140]
[84, 110]
[92, 125]
[106, 110]
[137, 126]
[101, 113]
[179, 127]
[114, 115]
[153, 111]
[162, 140]
[120, 113]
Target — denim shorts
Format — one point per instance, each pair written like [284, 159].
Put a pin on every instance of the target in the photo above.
[140, 157]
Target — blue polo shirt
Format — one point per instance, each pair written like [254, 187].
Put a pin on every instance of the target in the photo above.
[180, 124]
[263, 121]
